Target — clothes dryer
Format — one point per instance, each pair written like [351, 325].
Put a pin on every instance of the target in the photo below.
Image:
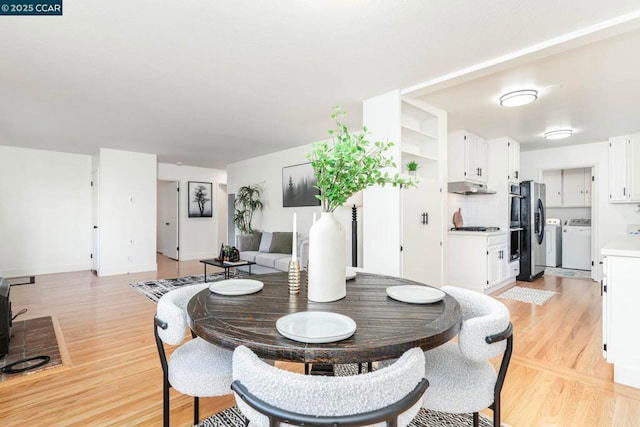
[553, 237]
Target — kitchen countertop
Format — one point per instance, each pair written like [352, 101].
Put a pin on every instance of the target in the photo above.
[628, 246]
[478, 233]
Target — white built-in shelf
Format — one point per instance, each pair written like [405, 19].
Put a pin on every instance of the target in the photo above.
[407, 153]
[426, 180]
[417, 133]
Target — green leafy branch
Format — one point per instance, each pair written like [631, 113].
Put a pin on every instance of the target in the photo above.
[350, 164]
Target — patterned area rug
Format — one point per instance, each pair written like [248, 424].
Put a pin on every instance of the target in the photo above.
[154, 289]
[568, 272]
[232, 417]
[534, 296]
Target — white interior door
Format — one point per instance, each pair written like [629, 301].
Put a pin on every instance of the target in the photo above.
[168, 214]
[95, 204]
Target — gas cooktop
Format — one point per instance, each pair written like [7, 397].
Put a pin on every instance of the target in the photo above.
[473, 228]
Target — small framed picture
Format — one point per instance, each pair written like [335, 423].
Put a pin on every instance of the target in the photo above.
[200, 199]
[298, 186]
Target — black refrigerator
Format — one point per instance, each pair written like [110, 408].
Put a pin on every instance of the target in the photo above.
[532, 216]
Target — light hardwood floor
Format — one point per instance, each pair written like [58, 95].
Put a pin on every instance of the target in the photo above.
[112, 376]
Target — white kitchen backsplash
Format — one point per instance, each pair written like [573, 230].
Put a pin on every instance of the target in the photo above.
[477, 209]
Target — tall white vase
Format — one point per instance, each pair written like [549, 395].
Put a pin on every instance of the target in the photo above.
[327, 260]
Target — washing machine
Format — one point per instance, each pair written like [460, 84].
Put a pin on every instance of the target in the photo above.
[576, 244]
[553, 237]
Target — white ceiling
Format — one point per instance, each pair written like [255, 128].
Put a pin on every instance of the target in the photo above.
[593, 89]
[209, 83]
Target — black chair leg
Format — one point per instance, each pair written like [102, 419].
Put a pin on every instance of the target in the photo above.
[165, 403]
[196, 410]
[496, 412]
[476, 419]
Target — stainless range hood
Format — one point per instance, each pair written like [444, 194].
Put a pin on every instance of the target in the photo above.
[466, 187]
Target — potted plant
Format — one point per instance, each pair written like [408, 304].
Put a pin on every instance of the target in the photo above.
[247, 202]
[348, 164]
[412, 167]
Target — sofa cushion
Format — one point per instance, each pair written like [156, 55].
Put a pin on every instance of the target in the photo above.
[265, 242]
[282, 264]
[249, 255]
[243, 242]
[269, 260]
[255, 242]
[281, 242]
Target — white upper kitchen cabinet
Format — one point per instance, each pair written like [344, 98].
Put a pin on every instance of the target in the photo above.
[468, 157]
[404, 229]
[552, 179]
[568, 188]
[514, 160]
[576, 187]
[624, 169]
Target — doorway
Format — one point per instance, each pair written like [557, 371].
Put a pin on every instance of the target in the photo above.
[168, 227]
[95, 204]
[572, 199]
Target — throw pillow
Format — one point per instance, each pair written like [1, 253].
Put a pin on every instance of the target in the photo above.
[281, 242]
[265, 242]
[255, 243]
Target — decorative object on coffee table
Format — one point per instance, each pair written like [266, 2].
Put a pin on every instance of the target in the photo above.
[350, 164]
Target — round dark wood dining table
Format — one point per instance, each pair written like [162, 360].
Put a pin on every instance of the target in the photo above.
[386, 328]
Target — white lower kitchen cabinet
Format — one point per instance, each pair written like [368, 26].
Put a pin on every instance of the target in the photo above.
[479, 260]
[621, 293]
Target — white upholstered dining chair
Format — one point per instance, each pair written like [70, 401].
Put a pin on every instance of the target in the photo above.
[196, 368]
[461, 377]
[268, 396]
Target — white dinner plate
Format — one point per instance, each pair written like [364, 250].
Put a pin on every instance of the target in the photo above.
[236, 287]
[415, 294]
[316, 326]
[350, 274]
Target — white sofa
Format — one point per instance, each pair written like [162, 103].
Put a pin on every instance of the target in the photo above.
[269, 249]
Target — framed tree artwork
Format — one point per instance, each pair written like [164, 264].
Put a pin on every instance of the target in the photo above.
[298, 186]
[200, 199]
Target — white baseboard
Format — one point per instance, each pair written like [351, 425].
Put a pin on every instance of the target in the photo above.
[50, 269]
[197, 255]
[125, 269]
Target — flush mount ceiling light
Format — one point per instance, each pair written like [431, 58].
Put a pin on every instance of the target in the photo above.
[558, 134]
[518, 97]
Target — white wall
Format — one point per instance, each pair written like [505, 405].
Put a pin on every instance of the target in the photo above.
[45, 212]
[610, 219]
[267, 171]
[565, 214]
[199, 237]
[127, 212]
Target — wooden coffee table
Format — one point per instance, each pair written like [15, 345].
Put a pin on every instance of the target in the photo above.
[226, 265]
